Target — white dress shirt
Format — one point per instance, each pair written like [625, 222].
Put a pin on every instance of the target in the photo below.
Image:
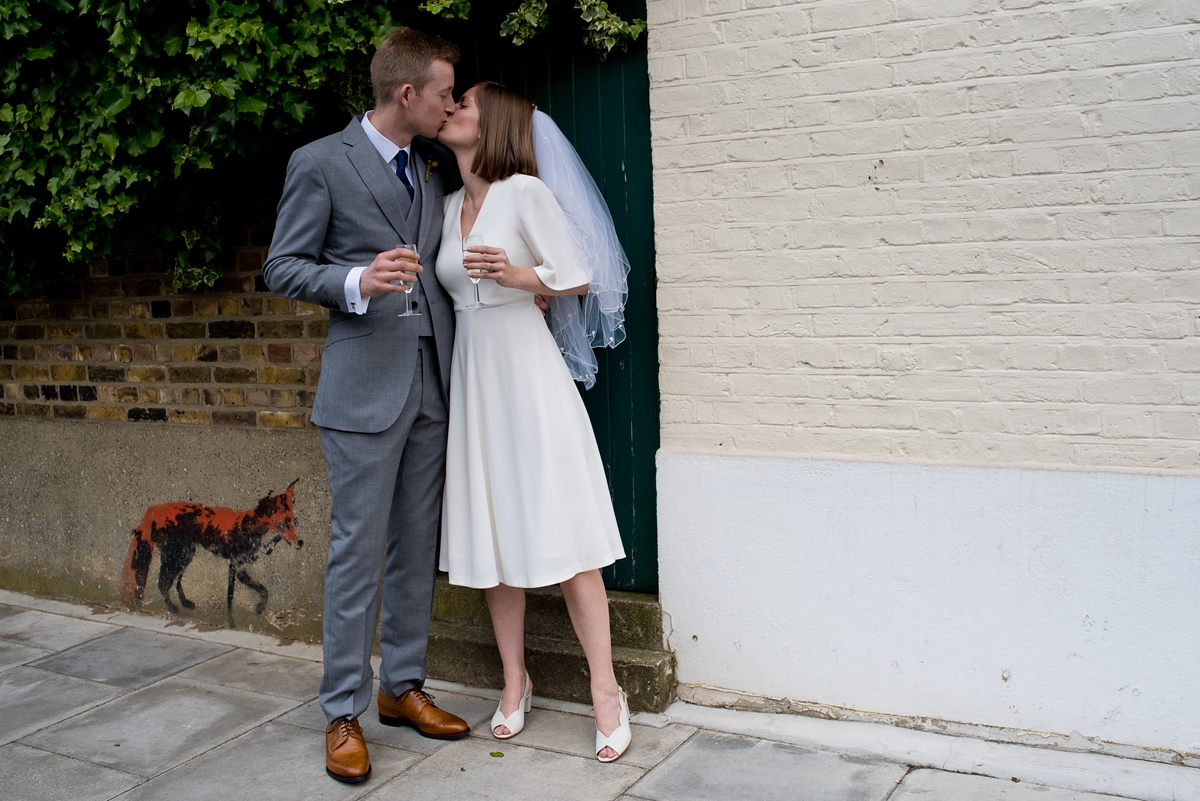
[388, 150]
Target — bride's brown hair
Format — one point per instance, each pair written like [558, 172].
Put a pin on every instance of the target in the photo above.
[505, 133]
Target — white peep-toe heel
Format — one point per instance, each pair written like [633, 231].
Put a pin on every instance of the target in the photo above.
[516, 721]
[619, 740]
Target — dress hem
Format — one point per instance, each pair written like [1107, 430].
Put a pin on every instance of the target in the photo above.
[531, 586]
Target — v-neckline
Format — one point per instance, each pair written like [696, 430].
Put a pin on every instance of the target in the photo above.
[462, 234]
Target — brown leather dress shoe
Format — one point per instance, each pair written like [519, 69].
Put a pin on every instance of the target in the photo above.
[415, 708]
[346, 756]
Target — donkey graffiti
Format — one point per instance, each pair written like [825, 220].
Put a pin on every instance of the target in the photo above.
[232, 534]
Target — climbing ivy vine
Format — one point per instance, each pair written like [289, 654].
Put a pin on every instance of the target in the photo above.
[133, 125]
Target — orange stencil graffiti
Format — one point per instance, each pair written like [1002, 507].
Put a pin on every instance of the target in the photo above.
[234, 535]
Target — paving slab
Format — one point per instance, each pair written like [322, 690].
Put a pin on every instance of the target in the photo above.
[937, 785]
[257, 672]
[31, 699]
[130, 658]
[466, 770]
[7, 611]
[723, 767]
[273, 761]
[28, 774]
[51, 632]
[1083, 772]
[13, 654]
[154, 729]
[469, 708]
[576, 734]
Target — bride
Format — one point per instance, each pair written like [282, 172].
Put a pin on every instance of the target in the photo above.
[526, 501]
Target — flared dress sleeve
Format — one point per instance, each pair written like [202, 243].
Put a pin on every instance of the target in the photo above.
[543, 226]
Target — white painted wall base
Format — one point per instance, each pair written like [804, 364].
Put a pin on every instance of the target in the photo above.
[1037, 600]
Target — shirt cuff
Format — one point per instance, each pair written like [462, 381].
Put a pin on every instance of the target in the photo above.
[355, 302]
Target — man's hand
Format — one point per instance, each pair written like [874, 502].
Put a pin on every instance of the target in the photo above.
[543, 303]
[390, 271]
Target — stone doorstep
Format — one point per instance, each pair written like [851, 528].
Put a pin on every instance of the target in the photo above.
[636, 618]
[462, 647]
[467, 655]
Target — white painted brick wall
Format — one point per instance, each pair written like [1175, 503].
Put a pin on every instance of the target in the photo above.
[930, 230]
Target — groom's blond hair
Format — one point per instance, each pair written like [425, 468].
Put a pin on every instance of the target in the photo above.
[405, 56]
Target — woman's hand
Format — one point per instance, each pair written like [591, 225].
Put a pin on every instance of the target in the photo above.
[485, 261]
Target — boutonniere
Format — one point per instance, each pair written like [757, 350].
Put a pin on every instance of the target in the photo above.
[429, 165]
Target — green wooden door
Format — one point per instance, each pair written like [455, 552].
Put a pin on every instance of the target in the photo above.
[604, 109]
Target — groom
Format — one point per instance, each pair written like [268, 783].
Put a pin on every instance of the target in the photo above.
[357, 208]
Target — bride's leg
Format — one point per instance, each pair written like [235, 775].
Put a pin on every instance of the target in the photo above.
[507, 607]
[587, 604]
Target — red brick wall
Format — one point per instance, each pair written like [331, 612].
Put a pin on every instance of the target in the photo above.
[118, 344]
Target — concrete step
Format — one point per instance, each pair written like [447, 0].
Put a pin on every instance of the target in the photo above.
[462, 647]
[635, 617]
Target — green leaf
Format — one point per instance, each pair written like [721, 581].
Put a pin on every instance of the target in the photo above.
[496, 753]
[192, 97]
[172, 45]
[37, 53]
[116, 100]
[246, 70]
[109, 142]
[251, 105]
[299, 110]
[20, 205]
[227, 87]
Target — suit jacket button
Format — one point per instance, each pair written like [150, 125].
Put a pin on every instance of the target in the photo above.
[414, 305]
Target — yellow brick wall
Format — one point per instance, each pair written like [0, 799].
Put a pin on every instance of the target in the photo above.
[116, 344]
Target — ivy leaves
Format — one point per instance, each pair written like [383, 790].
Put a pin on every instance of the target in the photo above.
[111, 110]
[604, 29]
[120, 120]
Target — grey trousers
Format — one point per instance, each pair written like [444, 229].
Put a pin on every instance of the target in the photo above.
[385, 515]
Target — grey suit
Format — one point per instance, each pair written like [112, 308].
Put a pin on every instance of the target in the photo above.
[380, 405]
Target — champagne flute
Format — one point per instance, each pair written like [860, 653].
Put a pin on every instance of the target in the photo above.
[474, 240]
[408, 288]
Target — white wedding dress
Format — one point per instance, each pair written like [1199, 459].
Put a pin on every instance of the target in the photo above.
[526, 501]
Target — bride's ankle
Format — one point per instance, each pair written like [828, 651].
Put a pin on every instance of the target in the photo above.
[606, 694]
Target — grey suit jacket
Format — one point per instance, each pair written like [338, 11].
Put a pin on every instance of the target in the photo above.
[341, 207]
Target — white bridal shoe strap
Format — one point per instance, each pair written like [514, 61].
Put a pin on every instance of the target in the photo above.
[619, 740]
[516, 721]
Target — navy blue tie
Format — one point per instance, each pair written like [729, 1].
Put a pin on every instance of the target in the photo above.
[402, 172]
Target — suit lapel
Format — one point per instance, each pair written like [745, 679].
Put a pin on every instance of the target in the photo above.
[381, 182]
[425, 198]
[416, 210]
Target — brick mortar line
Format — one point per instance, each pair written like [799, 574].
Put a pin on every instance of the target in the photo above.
[880, 458]
[898, 186]
[1184, 28]
[917, 215]
[970, 437]
[989, 146]
[996, 11]
[1106, 71]
[887, 247]
[984, 116]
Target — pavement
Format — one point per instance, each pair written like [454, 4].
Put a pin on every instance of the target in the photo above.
[97, 703]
